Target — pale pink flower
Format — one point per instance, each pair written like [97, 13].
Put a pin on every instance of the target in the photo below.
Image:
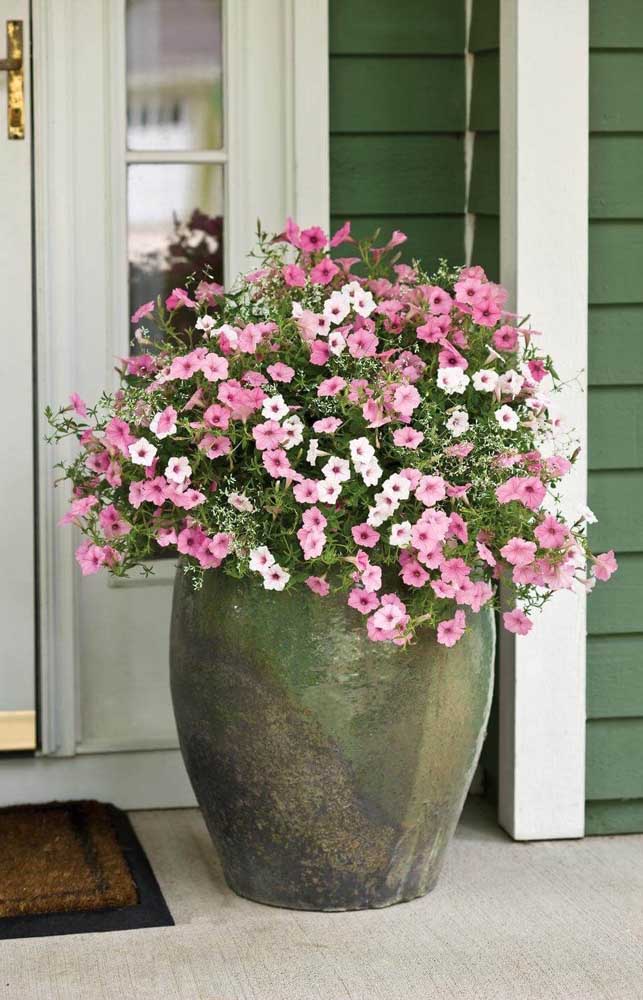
[485, 553]
[142, 311]
[362, 600]
[241, 502]
[405, 399]
[516, 621]
[452, 380]
[112, 524]
[312, 542]
[400, 533]
[276, 463]
[274, 407]
[364, 535]
[442, 589]
[268, 435]
[362, 344]
[78, 508]
[431, 490]
[294, 276]
[79, 406]
[306, 491]
[166, 537]
[90, 557]
[372, 578]
[551, 534]
[407, 437]
[454, 571]
[117, 434]
[318, 585]
[458, 422]
[214, 367]
[293, 429]
[389, 616]
[163, 423]
[605, 565]
[324, 272]
[518, 551]
[397, 487]
[249, 338]
[217, 416]
[336, 308]
[413, 574]
[185, 366]
[337, 469]
[280, 372]
[179, 297]
[331, 386]
[327, 425]
[485, 380]
[451, 630]
[215, 446]
[458, 528]
[507, 418]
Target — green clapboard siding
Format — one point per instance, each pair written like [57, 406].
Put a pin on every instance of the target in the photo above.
[380, 94]
[484, 31]
[616, 428]
[615, 262]
[617, 496]
[414, 174]
[614, 816]
[429, 237]
[614, 759]
[615, 609]
[397, 122]
[486, 245]
[484, 192]
[409, 27]
[615, 676]
[616, 345]
[615, 82]
[484, 113]
[616, 25]
[616, 176]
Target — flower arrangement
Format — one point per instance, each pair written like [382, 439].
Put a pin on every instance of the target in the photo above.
[341, 423]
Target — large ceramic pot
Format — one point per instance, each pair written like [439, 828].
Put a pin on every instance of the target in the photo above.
[331, 770]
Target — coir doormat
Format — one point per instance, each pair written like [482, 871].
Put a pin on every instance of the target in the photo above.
[74, 868]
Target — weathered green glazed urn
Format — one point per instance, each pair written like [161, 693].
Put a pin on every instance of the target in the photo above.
[331, 770]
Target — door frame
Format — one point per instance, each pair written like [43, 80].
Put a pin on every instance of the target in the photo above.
[289, 39]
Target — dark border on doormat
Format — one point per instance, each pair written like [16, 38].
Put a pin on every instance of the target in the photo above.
[150, 911]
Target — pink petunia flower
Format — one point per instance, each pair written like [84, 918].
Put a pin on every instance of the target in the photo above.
[605, 565]
[294, 276]
[431, 490]
[364, 535]
[306, 491]
[313, 239]
[451, 630]
[331, 386]
[362, 600]
[518, 551]
[276, 463]
[517, 621]
[551, 534]
[327, 425]
[407, 437]
[270, 434]
[405, 399]
[505, 338]
[280, 372]
[324, 272]
[142, 311]
[214, 367]
[318, 585]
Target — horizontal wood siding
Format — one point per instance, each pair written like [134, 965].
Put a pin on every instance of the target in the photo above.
[484, 122]
[397, 122]
[615, 610]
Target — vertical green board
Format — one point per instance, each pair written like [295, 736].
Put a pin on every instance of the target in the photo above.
[397, 121]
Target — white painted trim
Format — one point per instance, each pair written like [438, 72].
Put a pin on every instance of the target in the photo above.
[311, 113]
[276, 144]
[544, 263]
[131, 780]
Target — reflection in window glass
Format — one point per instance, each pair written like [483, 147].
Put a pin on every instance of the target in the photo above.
[175, 226]
[174, 70]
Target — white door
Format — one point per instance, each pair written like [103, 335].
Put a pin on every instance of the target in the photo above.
[163, 130]
[17, 530]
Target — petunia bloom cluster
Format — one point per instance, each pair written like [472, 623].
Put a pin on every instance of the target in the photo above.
[348, 424]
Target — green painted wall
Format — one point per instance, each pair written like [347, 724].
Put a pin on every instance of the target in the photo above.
[615, 612]
[484, 121]
[397, 120]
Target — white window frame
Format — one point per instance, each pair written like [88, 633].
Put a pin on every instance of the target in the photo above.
[544, 129]
[276, 107]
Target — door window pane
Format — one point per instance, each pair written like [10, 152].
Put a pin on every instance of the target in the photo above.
[174, 70]
[175, 227]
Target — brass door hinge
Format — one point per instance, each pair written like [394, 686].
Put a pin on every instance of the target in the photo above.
[14, 64]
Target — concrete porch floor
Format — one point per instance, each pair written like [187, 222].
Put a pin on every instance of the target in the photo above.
[508, 921]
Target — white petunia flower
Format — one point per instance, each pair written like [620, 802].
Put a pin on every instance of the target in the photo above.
[397, 487]
[328, 490]
[142, 452]
[178, 470]
[294, 429]
[507, 418]
[485, 380]
[206, 324]
[274, 407]
[336, 308]
[400, 533]
[371, 473]
[452, 380]
[314, 451]
[261, 559]
[337, 469]
[275, 577]
[336, 343]
[362, 452]
[240, 502]
[588, 515]
[351, 290]
[229, 331]
[154, 426]
[511, 383]
[458, 422]
[364, 303]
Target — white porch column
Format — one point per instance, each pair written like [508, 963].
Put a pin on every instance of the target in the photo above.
[544, 47]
